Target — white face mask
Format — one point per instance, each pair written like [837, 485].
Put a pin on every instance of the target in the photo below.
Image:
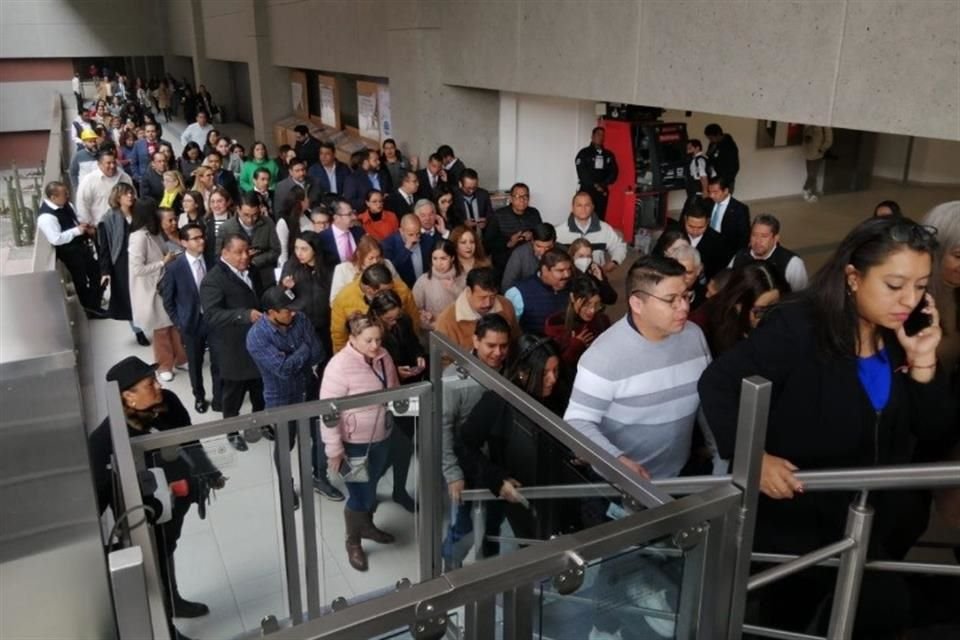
[583, 263]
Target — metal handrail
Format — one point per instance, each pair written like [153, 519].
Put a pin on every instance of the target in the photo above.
[892, 477]
[496, 575]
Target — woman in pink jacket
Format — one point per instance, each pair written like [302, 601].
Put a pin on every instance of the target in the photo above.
[362, 366]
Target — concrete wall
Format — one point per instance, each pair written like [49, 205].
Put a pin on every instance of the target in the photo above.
[26, 148]
[931, 162]
[80, 28]
[848, 63]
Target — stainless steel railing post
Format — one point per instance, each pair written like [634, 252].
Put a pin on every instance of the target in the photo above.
[850, 573]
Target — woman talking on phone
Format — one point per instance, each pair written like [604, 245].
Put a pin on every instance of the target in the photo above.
[358, 446]
[856, 383]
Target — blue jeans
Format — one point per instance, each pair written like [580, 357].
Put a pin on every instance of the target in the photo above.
[363, 495]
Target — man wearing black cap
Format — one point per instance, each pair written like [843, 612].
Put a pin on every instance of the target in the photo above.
[230, 296]
[148, 407]
[285, 348]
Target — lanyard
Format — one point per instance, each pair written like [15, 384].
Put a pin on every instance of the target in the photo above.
[382, 376]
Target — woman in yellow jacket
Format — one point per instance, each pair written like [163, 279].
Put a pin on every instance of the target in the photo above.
[356, 296]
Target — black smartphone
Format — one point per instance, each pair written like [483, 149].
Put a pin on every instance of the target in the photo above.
[917, 321]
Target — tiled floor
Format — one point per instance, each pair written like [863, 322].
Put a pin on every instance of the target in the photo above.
[233, 560]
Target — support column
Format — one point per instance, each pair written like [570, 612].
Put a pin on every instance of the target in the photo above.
[269, 84]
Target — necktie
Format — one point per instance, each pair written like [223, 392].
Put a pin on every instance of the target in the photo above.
[408, 198]
[715, 218]
[433, 181]
[198, 271]
[346, 247]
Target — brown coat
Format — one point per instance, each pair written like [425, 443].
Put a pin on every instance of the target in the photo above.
[458, 321]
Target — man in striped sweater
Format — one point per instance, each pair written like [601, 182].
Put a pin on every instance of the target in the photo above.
[635, 392]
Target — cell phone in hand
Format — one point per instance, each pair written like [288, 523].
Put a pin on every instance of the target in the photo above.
[917, 321]
[345, 467]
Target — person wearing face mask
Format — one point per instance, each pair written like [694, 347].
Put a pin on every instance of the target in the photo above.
[581, 251]
[583, 222]
[575, 328]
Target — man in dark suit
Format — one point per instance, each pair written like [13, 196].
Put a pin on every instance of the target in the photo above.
[151, 182]
[430, 178]
[453, 166]
[306, 147]
[471, 203]
[723, 155]
[298, 178]
[402, 199]
[180, 288]
[367, 175]
[143, 151]
[230, 297]
[510, 226]
[221, 177]
[710, 244]
[339, 241]
[330, 174]
[730, 217]
[409, 250]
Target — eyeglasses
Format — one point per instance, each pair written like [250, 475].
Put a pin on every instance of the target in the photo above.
[521, 196]
[907, 232]
[675, 301]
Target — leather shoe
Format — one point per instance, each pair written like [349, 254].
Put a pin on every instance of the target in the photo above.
[186, 609]
[201, 406]
[142, 339]
[327, 490]
[238, 443]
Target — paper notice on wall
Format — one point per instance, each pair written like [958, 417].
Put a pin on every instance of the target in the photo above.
[368, 121]
[383, 106]
[296, 90]
[328, 112]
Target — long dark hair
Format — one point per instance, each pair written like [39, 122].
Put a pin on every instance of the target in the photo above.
[145, 216]
[526, 369]
[728, 324]
[451, 250]
[312, 238]
[582, 288]
[868, 245]
[291, 211]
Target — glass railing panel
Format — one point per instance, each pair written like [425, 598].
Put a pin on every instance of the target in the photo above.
[495, 443]
[632, 594]
[229, 553]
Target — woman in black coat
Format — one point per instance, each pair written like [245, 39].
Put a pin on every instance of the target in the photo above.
[148, 407]
[402, 343]
[850, 389]
[500, 449]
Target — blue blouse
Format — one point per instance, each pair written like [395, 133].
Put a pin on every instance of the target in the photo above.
[876, 376]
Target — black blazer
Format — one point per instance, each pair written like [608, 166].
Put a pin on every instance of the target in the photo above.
[319, 175]
[735, 227]
[308, 150]
[821, 418]
[228, 181]
[396, 252]
[227, 302]
[398, 204]
[358, 185]
[424, 190]
[458, 213]
[181, 297]
[151, 185]
[328, 243]
[285, 186]
[713, 253]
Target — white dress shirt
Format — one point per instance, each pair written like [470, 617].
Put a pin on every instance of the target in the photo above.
[93, 194]
[50, 226]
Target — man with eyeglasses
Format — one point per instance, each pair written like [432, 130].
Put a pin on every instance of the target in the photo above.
[339, 241]
[180, 289]
[510, 226]
[635, 393]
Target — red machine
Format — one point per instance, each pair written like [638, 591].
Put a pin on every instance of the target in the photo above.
[652, 159]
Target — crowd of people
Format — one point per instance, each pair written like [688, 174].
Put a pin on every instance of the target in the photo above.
[303, 277]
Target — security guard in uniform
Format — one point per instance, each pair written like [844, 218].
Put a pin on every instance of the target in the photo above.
[148, 407]
[596, 170]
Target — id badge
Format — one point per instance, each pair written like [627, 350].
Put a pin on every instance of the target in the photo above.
[598, 162]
